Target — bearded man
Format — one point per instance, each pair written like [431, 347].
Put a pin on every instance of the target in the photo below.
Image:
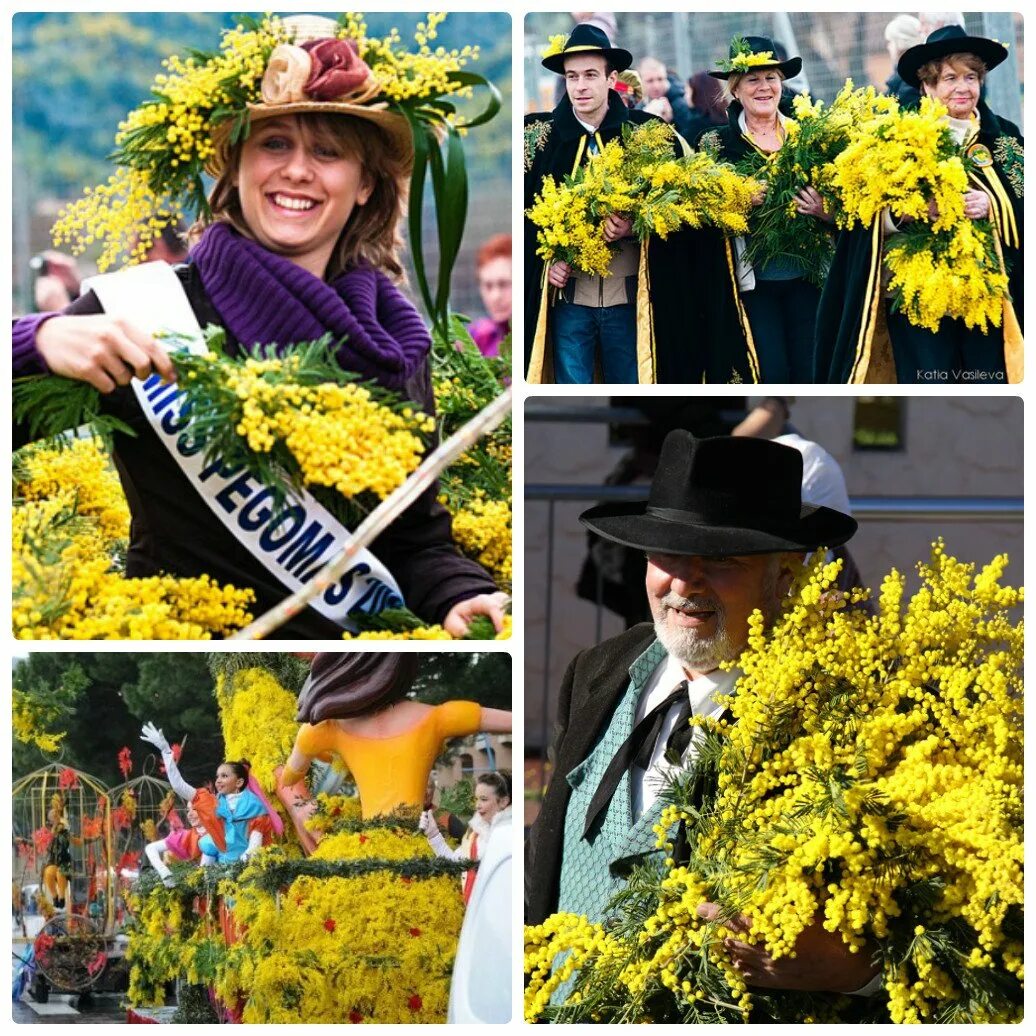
[723, 530]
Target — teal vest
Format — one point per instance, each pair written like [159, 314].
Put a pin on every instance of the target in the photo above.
[595, 868]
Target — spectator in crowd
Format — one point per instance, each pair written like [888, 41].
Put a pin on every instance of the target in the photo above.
[902, 33]
[664, 95]
[707, 103]
[494, 284]
[629, 87]
[932, 20]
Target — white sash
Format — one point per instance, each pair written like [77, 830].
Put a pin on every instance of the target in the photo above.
[293, 542]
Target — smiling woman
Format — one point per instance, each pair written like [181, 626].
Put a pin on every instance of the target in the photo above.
[312, 151]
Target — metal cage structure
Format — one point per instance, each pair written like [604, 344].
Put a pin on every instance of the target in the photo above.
[63, 850]
[144, 809]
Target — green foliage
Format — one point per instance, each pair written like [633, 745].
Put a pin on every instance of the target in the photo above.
[102, 700]
[776, 230]
[50, 406]
[459, 799]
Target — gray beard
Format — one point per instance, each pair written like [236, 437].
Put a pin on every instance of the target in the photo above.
[703, 654]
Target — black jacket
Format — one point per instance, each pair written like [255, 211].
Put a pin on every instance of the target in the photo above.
[847, 323]
[593, 685]
[173, 531]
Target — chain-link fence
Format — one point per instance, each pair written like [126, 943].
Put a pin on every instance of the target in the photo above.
[833, 46]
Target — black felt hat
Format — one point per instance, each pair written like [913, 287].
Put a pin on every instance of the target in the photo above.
[722, 496]
[950, 39]
[588, 39]
[757, 45]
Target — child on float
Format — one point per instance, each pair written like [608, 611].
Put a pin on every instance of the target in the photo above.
[231, 824]
[301, 241]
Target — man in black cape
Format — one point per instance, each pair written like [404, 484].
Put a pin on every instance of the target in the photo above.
[685, 325]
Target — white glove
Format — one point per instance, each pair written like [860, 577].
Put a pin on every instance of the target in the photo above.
[150, 733]
[427, 825]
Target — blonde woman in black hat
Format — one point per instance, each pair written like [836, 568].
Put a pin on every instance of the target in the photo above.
[722, 531]
[781, 303]
[950, 67]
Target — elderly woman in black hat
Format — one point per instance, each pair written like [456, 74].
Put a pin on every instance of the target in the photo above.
[949, 67]
[780, 302]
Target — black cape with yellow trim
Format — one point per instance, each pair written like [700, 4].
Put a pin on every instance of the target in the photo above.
[852, 344]
[679, 338]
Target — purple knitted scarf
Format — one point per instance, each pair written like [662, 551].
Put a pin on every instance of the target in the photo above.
[266, 298]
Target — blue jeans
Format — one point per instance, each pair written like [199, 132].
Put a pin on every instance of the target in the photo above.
[577, 331]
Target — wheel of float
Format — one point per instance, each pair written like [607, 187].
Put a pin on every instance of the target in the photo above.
[71, 953]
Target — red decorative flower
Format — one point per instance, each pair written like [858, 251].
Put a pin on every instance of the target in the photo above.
[41, 839]
[363, 838]
[338, 69]
[415, 1003]
[329, 925]
[44, 944]
[125, 762]
[177, 749]
[121, 818]
[355, 1017]
[406, 881]
[415, 932]
[68, 779]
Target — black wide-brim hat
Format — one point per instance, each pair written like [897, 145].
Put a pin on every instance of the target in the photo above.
[588, 39]
[723, 496]
[950, 39]
[759, 45]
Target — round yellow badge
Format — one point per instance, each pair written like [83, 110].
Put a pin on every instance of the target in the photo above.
[979, 155]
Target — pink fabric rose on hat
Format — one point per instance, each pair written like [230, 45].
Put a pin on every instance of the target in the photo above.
[337, 69]
[286, 74]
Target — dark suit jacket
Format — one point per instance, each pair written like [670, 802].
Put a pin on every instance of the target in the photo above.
[595, 681]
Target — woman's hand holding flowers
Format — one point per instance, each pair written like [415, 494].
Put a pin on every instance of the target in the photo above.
[104, 351]
[460, 615]
[810, 202]
[976, 205]
[822, 961]
[617, 227]
[558, 274]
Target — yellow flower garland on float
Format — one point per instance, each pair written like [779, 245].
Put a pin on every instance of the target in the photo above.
[257, 716]
[870, 781]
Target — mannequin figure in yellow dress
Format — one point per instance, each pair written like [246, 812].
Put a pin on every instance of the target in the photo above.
[355, 706]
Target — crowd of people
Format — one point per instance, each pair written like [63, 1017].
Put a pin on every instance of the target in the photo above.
[694, 307]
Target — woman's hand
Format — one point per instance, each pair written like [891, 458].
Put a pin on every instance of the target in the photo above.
[101, 350]
[822, 960]
[558, 274]
[617, 227]
[427, 825]
[810, 202]
[976, 205]
[460, 615]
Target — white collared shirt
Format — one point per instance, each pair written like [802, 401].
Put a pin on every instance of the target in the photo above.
[645, 785]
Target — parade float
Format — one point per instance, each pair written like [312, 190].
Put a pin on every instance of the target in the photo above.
[340, 917]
